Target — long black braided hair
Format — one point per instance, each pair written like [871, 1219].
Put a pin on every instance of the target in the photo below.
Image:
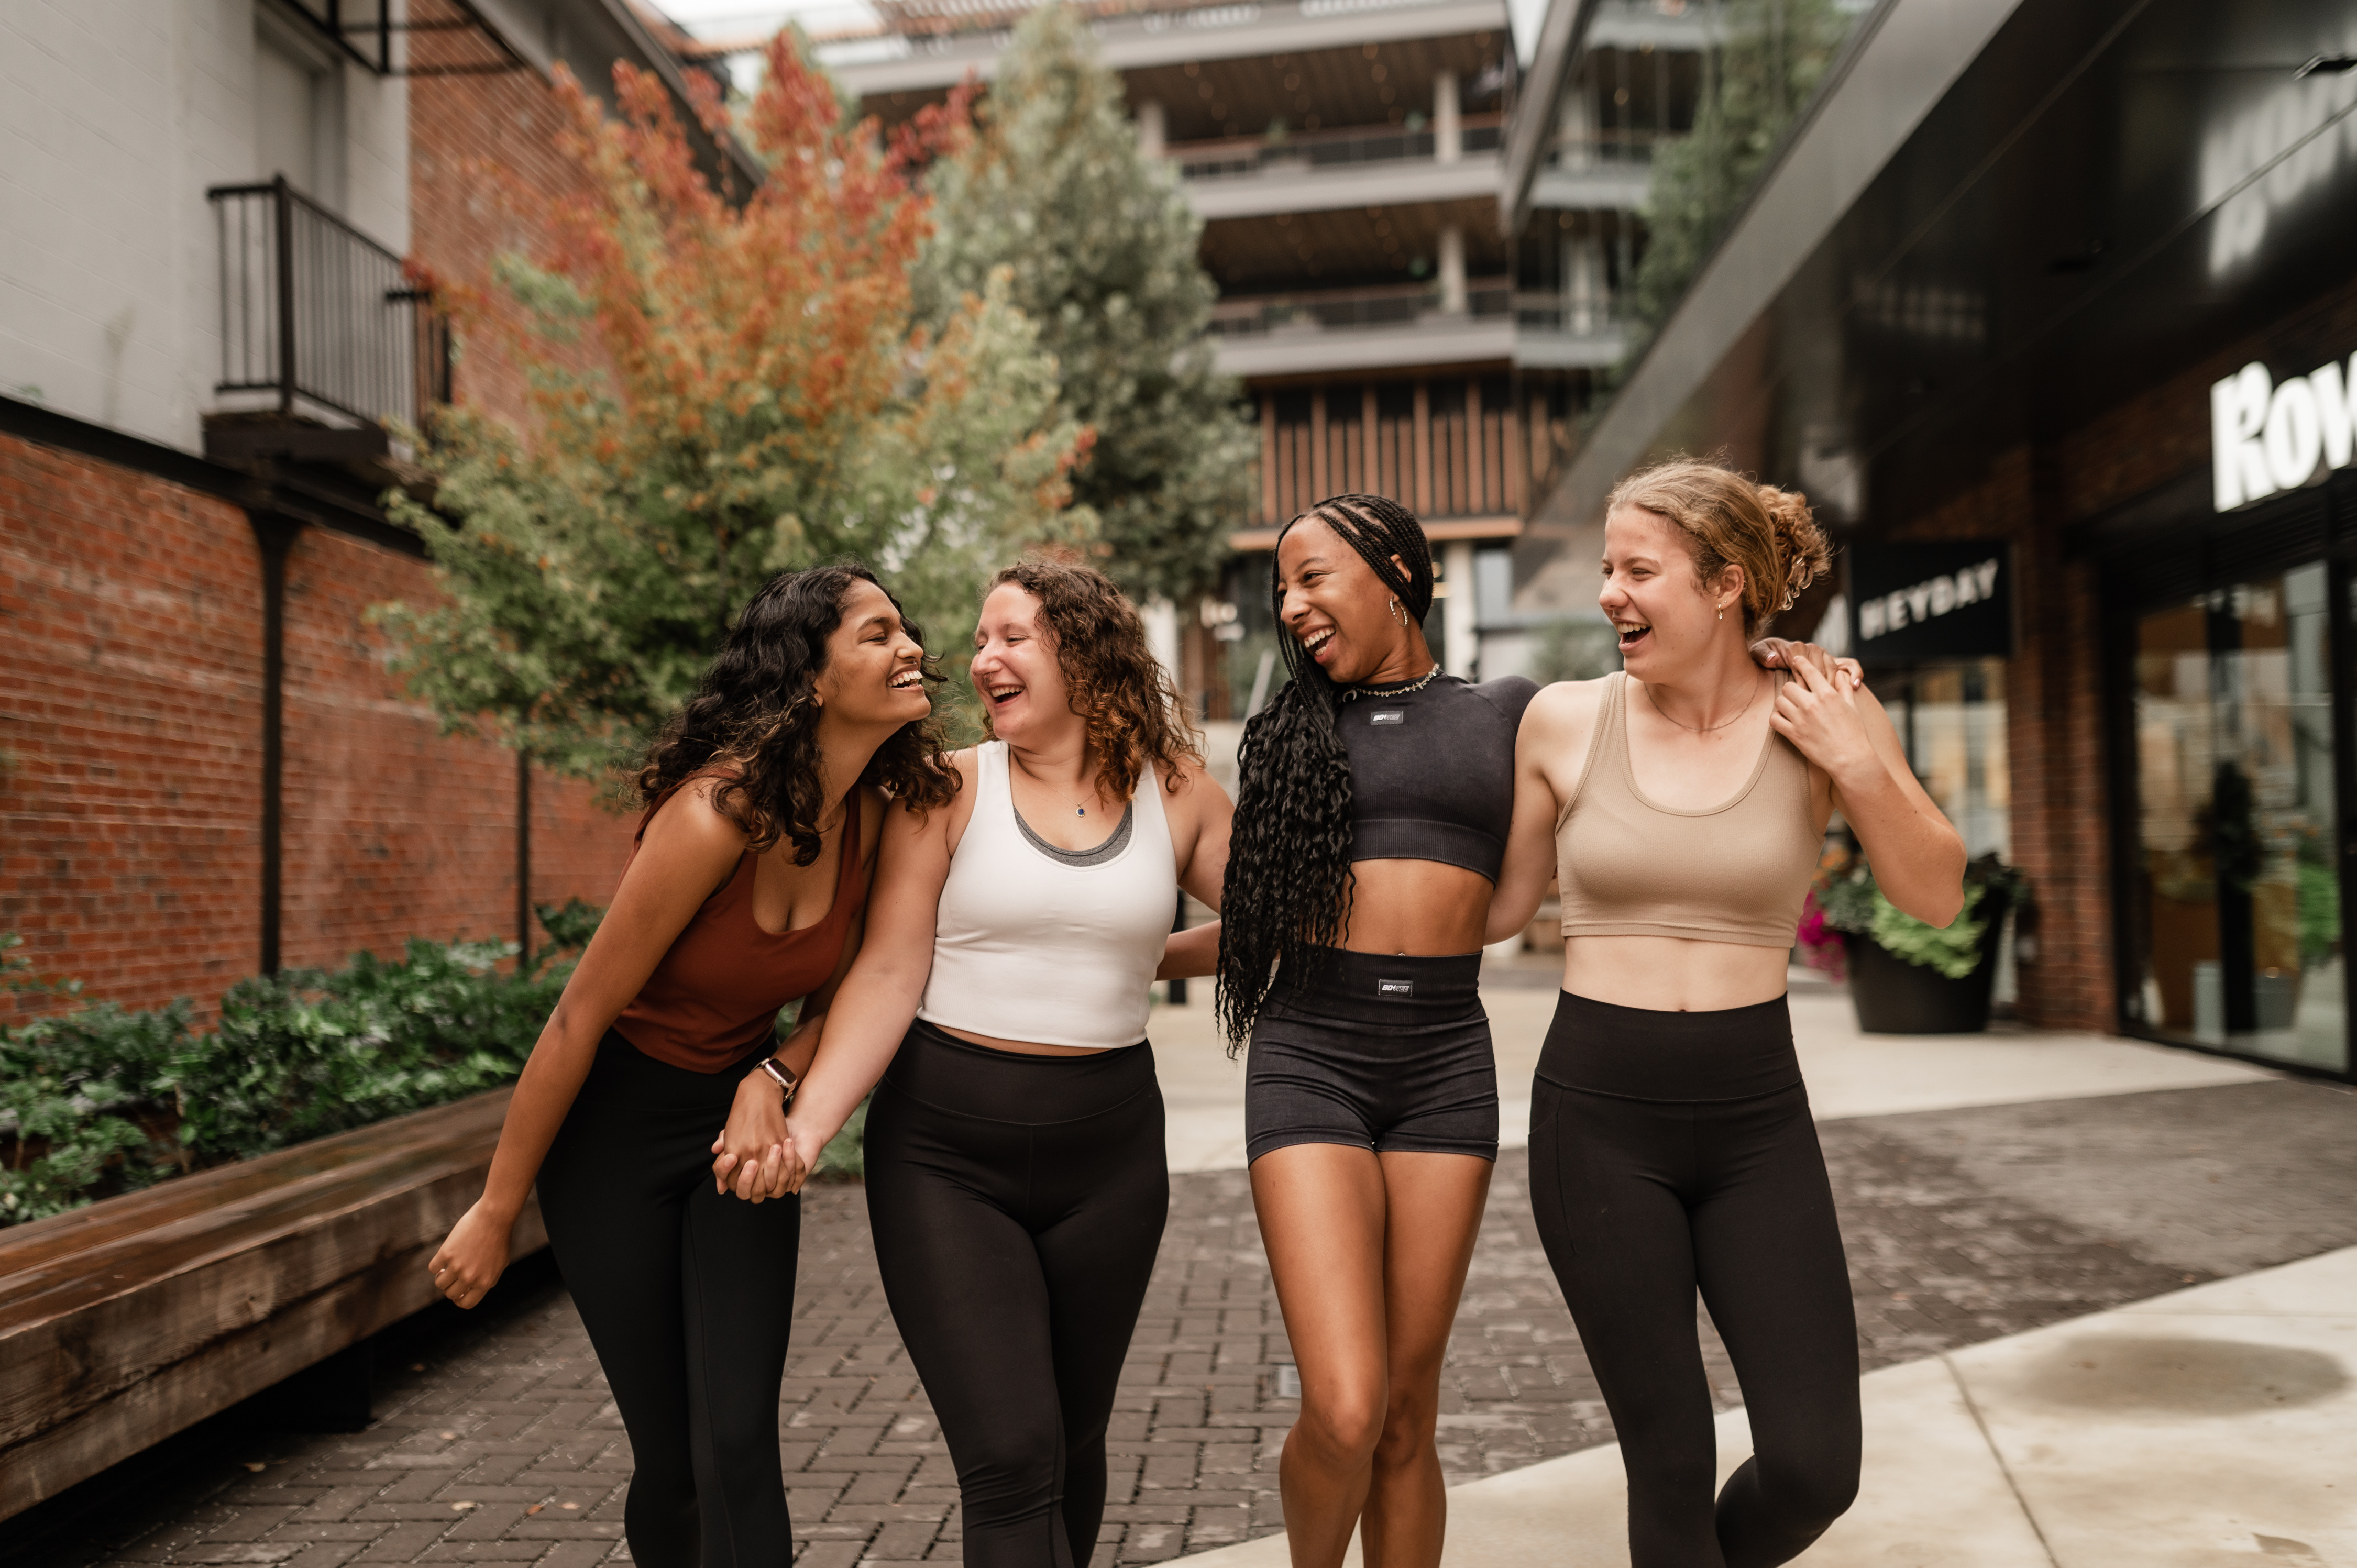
[1290, 876]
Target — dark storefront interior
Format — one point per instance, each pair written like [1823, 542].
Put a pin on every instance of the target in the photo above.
[2113, 197]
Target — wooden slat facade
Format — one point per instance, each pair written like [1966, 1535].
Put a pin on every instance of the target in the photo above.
[1451, 447]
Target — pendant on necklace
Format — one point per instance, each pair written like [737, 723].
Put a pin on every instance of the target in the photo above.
[1079, 811]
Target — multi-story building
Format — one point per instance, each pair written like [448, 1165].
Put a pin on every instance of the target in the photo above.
[1418, 274]
[206, 325]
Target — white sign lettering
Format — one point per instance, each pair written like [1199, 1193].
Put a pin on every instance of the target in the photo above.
[1926, 600]
[2264, 438]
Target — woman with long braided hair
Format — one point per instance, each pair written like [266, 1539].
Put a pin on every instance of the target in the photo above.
[1373, 803]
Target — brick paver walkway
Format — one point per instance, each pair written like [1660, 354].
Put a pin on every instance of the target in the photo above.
[495, 1441]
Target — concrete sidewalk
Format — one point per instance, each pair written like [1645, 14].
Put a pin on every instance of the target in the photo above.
[2196, 1430]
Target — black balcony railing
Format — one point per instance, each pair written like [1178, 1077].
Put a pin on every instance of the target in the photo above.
[312, 309]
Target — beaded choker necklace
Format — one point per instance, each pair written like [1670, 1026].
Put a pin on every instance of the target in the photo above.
[1352, 693]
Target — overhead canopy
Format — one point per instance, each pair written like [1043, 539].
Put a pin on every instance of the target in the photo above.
[1997, 223]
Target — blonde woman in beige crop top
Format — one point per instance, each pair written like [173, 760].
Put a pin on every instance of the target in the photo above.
[1683, 802]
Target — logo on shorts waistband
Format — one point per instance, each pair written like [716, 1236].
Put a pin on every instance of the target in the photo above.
[1394, 987]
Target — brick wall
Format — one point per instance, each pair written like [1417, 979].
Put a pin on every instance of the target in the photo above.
[474, 141]
[131, 715]
[131, 709]
[391, 829]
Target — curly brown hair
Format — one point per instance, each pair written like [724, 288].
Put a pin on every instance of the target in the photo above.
[1134, 713]
[753, 718]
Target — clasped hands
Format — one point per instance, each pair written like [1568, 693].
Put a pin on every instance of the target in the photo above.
[760, 1154]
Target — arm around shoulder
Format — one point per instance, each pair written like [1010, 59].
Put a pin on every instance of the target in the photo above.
[1555, 724]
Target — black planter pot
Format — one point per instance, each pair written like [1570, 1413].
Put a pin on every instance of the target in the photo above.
[1895, 997]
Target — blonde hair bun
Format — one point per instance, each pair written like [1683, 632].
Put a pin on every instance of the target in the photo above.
[1733, 521]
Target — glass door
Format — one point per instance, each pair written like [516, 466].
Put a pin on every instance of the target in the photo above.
[2238, 915]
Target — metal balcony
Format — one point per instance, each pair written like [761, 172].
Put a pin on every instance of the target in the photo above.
[317, 314]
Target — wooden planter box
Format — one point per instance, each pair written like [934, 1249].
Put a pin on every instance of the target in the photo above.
[125, 1321]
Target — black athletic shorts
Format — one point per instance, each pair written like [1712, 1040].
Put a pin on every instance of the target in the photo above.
[1376, 1053]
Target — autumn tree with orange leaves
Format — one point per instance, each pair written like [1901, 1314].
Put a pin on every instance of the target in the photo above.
[760, 397]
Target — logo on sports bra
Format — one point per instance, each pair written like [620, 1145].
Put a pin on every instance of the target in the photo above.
[1394, 987]
[1388, 716]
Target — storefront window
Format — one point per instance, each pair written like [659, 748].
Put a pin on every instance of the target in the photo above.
[2240, 898]
[1950, 718]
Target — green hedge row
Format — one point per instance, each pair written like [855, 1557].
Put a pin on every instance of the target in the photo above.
[98, 1099]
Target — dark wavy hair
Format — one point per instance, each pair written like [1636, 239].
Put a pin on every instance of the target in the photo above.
[753, 715]
[1290, 876]
[1133, 709]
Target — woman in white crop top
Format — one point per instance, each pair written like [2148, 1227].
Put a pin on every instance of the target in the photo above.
[1016, 1181]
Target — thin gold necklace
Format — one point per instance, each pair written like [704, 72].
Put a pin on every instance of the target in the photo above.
[1079, 811]
[1701, 729]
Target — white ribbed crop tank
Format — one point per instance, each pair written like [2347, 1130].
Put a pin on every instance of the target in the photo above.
[1032, 945]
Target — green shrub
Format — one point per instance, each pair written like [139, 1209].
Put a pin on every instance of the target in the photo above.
[98, 1099]
[1851, 902]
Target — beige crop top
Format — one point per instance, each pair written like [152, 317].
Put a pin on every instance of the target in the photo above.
[1736, 872]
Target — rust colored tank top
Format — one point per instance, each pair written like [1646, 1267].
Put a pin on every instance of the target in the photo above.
[716, 992]
[1736, 872]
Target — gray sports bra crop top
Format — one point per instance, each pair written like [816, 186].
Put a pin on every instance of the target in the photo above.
[1432, 771]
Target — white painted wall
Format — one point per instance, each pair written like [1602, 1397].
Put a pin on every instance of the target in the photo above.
[115, 115]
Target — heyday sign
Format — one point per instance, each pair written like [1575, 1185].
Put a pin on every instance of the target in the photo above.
[1914, 602]
[2266, 438]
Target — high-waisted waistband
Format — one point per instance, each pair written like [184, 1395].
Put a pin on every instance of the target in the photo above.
[1736, 1053]
[939, 1069]
[1380, 991]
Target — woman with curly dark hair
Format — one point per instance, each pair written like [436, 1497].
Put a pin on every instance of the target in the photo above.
[765, 800]
[1016, 1180]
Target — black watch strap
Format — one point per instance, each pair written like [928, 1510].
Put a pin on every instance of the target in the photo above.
[780, 1075]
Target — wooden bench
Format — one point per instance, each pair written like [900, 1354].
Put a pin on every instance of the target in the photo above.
[128, 1320]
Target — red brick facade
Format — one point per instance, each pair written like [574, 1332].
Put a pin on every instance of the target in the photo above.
[131, 720]
[473, 142]
[131, 713]
[131, 673]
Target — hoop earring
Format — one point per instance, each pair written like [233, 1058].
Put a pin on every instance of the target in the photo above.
[1398, 614]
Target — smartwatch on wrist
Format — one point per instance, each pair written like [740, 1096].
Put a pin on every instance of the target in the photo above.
[781, 1076]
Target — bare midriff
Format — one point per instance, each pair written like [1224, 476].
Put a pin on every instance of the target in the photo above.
[1673, 974]
[1424, 908]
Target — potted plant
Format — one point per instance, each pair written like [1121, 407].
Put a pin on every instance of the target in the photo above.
[1907, 977]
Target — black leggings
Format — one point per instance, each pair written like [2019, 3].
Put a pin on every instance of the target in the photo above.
[1017, 1203]
[1672, 1150]
[688, 1297]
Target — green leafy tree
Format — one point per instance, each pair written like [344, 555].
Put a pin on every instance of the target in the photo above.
[1102, 249]
[722, 391]
[1772, 55]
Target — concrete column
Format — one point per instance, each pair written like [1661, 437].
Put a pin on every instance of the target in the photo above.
[1447, 126]
[1452, 269]
[1577, 138]
[1151, 137]
[1462, 632]
[1161, 618]
[1583, 284]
